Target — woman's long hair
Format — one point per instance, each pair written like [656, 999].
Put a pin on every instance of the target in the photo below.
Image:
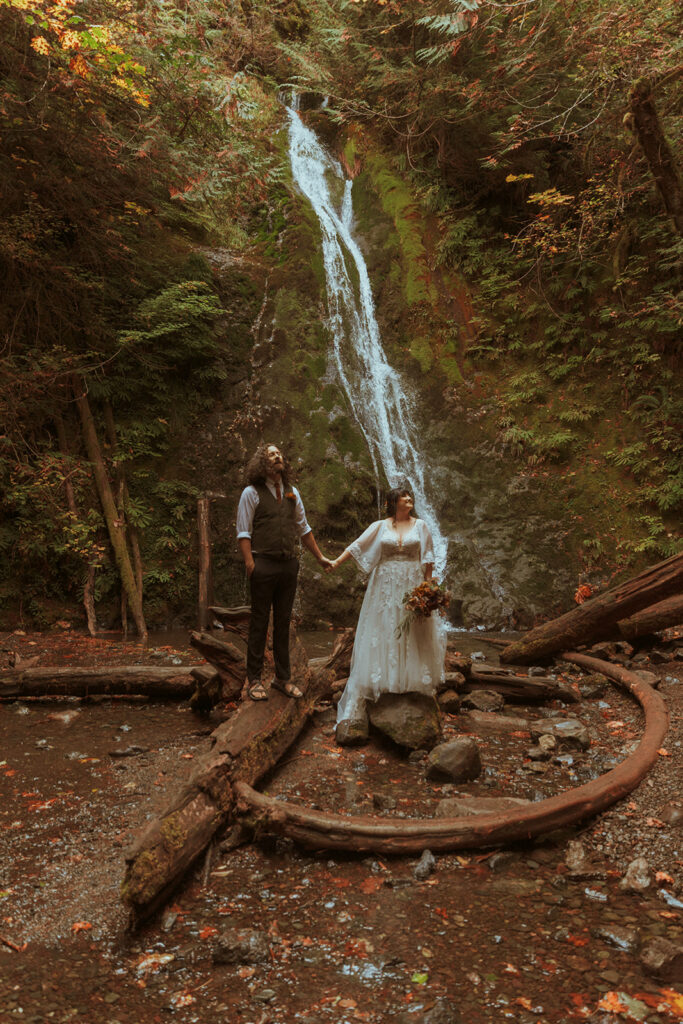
[258, 465]
[392, 500]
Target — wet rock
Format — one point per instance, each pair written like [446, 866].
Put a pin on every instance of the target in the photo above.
[382, 802]
[241, 946]
[663, 960]
[570, 733]
[660, 657]
[352, 732]
[457, 663]
[452, 681]
[620, 936]
[537, 670]
[425, 866]
[442, 1012]
[593, 687]
[456, 807]
[603, 650]
[500, 860]
[638, 876]
[483, 700]
[458, 760]
[489, 723]
[168, 920]
[578, 862]
[647, 677]
[131, 751]
[478, 656]
[544, 749]
[266, 995]
[449, 701]
[415, 756]
[671, 813]
[411, 720]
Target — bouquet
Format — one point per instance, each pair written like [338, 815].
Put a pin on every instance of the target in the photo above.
[427, 597]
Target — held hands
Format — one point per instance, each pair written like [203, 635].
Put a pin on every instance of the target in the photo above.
[331, 566]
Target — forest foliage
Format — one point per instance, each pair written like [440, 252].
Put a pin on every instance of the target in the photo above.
[134, 134]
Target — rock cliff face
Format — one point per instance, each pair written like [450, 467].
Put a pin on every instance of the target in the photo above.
[507, 561]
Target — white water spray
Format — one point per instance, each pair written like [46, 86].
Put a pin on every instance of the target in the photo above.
[375, 391]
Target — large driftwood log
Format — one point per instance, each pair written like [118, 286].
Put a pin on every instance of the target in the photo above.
[589, 620]
[243, 748]
[116, 681]
[319, 830]
[224, 656]
[521, 688]
[653, 619]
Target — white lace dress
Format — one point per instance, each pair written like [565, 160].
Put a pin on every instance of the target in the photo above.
[381, 660]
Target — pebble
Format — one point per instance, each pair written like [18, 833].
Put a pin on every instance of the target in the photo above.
[425, 866]
[638, 876]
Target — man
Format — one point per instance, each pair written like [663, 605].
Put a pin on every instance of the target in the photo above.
[270, 521]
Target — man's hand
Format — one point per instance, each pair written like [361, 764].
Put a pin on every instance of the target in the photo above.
[250, 566]
[325, 563]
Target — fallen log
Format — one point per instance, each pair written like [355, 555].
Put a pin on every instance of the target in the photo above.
[116, 681]
[589, 620]
[236, 619]
[322, 831]
[653, 619]
[229, 661]
[244, 748]
[340, 659]
[521, 688]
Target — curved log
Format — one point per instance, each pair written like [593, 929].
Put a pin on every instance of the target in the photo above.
[391, 836]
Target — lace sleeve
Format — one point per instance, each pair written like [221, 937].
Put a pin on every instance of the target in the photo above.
[367, 548]
[426, 544]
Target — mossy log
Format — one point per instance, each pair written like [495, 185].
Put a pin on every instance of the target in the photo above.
[653, 619]
[590, 620]
[244, 748]
[322, 831]
[116, 681]
[520, 688]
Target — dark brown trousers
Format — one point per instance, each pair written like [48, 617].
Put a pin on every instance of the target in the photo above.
[272, 585]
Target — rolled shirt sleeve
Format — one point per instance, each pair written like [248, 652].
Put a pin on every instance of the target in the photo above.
[300, 515]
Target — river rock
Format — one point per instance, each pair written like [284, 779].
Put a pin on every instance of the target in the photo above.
[570, 733]
[578, 862]
[425, 866]
[663, 960]
[671, 813]
[457, 663]
[638, 876]
[647, 677]
[382, 802]
[442, 1012]
[593, 687]
[457, 760]
[483, 700]
[241, 946]
[621, 937]
[352, 732]
[409, 719]
[452, 681]
[486, 723]
[462, 807]
[449, 701]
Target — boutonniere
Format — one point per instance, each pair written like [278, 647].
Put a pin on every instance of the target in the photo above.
[291, 495]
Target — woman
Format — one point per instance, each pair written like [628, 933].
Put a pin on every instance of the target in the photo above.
[398, 553]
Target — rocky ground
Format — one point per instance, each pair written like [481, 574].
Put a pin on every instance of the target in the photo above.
[586, 924]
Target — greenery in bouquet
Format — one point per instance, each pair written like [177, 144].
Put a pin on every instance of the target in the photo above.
[419, 603]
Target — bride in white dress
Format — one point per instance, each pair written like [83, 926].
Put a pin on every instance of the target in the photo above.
[398, 554]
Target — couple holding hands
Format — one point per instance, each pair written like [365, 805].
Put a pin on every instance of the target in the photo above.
[397, 553]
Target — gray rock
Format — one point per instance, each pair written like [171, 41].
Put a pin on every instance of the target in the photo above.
[537, 670]
[449, 701]
[458, 761]
[452, 681]
[658, 657]
[579, 864]
[483, 700]
[411, 720]
[266, 995]
[487, 723]
[500, 860]
[241, 946]
[647, 677]
[570, 733]
[352, 732]
[663, 960]
[593, 687]
[671, 813]
[621, 937]
[425, 866]
[442, 1012]
[538, 753]
[382, 802]
[638, 876]
[478, 656]
[457, 807]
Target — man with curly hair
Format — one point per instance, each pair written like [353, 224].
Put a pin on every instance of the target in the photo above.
[271, 521]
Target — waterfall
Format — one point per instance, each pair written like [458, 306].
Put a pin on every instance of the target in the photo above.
[379, 400]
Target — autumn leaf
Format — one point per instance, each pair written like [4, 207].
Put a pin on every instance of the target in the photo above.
[663, 876]
[81, 926]
[612, 1001]
[663, 753]
[208, 932]
[371, 884]
[40, 45]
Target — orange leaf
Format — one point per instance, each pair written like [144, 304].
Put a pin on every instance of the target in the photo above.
[371, 884]
[663, 753]
[523, 1001]
[610, 1001]
[662, 876]
[247, 972]
[347, 1004]
[207, 932]
[81, 926]
[578, 940]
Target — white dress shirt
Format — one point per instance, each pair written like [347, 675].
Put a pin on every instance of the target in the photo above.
[250, 499]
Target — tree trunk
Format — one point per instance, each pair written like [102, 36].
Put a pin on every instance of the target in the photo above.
[644, 122]
[653, 619]
[114, 523]
[117, 680]
[129, 531]
[224, 656]
[204, 542]
[322, 831]
[590, 620]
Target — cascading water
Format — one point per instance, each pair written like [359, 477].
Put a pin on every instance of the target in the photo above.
[375, 391]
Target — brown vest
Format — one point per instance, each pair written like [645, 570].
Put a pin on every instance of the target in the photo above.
[274, 533]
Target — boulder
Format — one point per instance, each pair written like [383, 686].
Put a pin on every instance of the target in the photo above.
[483, 700]
[449, 701]
[663, 960]
[241, 946]
[570, 733]
[411, 720]
[457, 761]
[352, 732]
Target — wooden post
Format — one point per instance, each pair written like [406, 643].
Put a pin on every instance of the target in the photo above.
[204, 535]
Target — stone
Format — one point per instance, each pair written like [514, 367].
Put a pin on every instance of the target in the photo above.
[487, 723]
[457, 663]
[352, 732]
[483, 700]
[442, 1012]
[458, 760]
[593, 687]
[425, 866]
[621, 937]
[570, 733]
[452, 681]
[663, 960]
[659, 657]
[241, 946]
[638, 876]
[449, 701]
[647, 677]
[463, 807]
[579, 864]
[478, 656]
[382, 802]
[411, 720]
[537, 670]
[671, 813]
[538, 753]
[500, 860]
[266, 995]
